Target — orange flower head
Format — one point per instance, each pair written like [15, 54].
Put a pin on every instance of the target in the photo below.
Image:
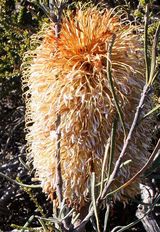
[67, 77]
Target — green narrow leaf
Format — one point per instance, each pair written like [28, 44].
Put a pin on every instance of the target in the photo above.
[125, 163]
[19, 183]
[93, 180]
[110, 81]
[112, 147]
[106, 218]
[104, 165]
[75, 218]
[27, 223]
[68, 214]
[153, 56]
[43, 225]
[154, 77]
[151, 112]
[146, 43]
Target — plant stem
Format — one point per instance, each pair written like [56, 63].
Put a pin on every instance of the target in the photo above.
[109, 75]
[126, 143]
[146, 42]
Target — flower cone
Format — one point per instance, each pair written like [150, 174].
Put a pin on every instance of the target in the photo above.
[67, 77]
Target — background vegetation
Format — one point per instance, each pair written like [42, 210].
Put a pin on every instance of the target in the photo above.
[18, 21]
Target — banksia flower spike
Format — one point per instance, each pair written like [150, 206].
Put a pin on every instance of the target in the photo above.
[67, 77]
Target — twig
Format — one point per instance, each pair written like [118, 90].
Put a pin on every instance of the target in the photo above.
[126, 143]
[142, 170]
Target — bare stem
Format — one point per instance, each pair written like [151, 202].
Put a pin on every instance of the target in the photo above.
[126, 143]
[142, 170]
